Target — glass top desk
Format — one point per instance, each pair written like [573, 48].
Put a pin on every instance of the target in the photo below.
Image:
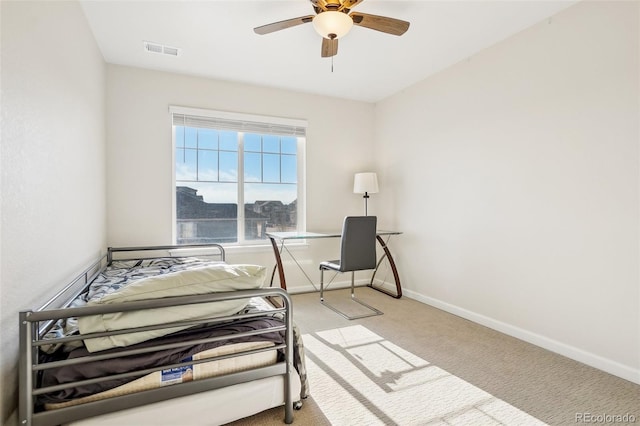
[278, 240]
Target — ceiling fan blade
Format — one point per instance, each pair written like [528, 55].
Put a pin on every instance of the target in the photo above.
[329, 47]
[281, 25]
[349, 4]
[380, 23]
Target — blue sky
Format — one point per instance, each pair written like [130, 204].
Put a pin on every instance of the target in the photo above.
[270, 165]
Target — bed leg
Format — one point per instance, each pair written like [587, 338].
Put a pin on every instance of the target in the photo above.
[288, 414]
[288, 400]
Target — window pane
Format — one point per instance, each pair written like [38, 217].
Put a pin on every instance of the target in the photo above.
[252, 142]
[207, 139]
[289, 169]
[207, 165]
[229, 141]
[270, 168]
[269, 208]
[190, 137]
[206, 213]
[285, 193]
[228, 166]
[186, 164]
[289, 145]
[271, 143]
[252, 167]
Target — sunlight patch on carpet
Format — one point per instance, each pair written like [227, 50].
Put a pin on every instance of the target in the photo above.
[360, 378]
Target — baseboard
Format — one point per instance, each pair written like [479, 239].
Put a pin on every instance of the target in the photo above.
[593, 360]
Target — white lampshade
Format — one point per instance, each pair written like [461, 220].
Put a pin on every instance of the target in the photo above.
[332, 22]
[365, 183]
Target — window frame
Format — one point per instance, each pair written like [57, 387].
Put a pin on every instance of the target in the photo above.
[259, 120]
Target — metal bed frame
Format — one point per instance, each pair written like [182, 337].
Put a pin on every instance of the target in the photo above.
[35, 324]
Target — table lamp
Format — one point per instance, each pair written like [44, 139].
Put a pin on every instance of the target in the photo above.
[365, 183]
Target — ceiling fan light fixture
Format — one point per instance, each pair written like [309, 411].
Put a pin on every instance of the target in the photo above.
[332, 24]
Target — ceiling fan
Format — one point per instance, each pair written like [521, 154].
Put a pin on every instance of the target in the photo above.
[333, 21]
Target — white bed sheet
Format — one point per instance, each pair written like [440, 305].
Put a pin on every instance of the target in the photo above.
[215, 407]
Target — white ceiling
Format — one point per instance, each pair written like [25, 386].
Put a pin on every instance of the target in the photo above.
[217, 40]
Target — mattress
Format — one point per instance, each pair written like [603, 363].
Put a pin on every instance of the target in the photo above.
[187, 373]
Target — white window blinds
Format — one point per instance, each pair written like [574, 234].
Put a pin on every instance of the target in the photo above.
[209, 119]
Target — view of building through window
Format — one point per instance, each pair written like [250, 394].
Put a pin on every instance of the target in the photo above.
[218, 170]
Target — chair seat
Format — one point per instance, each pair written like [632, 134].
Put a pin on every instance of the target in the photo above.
[330, 264]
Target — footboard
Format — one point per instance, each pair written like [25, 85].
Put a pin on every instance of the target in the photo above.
[34, 364]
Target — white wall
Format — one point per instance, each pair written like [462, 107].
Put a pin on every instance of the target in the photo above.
[139, 156]
[52, 162]
[516, 177]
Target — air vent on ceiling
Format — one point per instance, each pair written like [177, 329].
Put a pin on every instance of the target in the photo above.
[161, 49]
[174, 51]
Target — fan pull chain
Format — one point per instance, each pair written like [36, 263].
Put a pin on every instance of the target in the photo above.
[332, 64]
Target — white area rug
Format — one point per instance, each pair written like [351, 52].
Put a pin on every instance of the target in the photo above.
[360, 378]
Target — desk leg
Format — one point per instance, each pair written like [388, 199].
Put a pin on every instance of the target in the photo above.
[276, 252]
[396, 277]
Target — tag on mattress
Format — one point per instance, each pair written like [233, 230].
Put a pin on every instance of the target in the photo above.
[171, 376]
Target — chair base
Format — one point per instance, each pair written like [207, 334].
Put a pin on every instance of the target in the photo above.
[373, 310]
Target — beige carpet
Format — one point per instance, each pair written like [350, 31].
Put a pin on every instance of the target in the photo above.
[361, 378]
[418, 365]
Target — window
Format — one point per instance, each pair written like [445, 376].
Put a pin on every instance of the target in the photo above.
[226, 160]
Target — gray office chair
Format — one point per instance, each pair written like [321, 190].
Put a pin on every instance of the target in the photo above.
[357, 253]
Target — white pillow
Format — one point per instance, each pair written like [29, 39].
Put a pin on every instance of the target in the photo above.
[209, 279]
